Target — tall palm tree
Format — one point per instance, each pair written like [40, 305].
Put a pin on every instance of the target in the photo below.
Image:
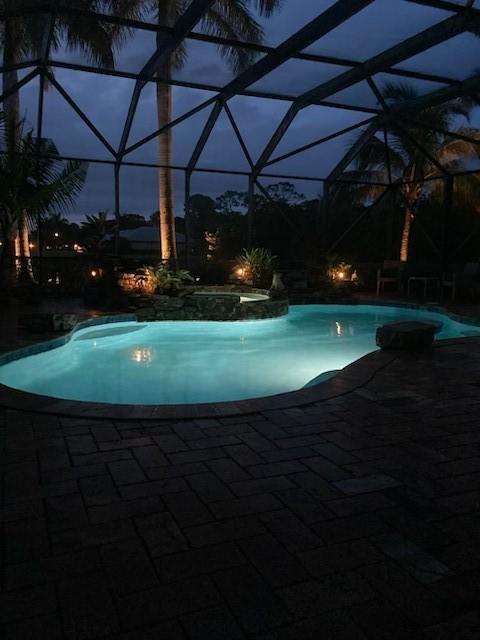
[226, 18]
[414, 149]
[33, 182]
[23, 36]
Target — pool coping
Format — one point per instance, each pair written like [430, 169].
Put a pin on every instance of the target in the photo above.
[352, 377]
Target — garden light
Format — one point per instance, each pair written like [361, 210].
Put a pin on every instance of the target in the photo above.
[341, 272]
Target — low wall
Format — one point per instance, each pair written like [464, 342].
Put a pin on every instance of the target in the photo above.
[208, 307]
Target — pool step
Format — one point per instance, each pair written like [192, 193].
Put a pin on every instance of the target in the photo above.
[108, 333]
[322, 377]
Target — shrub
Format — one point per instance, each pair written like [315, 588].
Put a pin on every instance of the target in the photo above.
[161, 279]
[257, 265]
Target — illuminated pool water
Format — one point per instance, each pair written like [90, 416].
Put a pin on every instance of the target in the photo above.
[192, 362]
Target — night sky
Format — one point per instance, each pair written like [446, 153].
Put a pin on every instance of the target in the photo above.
[106, 100]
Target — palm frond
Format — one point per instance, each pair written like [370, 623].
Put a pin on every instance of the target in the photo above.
[466, 192]
[455, 150]
[131, 9]
[267, 7]
[397, 93]
[92, 37]
[373, 155]
[34, 181]
[61, 192]
[232, 19]
[357, 187]
[95, 39]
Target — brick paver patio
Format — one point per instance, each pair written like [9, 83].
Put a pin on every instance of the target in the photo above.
[352, 518]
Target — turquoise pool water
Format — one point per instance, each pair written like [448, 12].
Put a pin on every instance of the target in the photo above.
[190, 362]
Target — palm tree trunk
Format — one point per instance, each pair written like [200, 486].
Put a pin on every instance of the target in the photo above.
[20, 245]
[168, 245]
[8, 267]
[165, 177]
[407, 226]
[22, 242]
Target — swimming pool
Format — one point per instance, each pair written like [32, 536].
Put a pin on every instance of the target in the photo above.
[195, 362]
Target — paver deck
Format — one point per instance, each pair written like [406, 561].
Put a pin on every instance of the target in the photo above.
[352, 518]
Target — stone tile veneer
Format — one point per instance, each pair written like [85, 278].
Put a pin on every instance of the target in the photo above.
[223, 304]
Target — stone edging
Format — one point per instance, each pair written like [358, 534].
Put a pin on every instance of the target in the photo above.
[375, 302]
[216, 303]
[352, 377]
[54, 343]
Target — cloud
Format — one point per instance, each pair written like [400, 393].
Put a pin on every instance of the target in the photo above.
[106, 99]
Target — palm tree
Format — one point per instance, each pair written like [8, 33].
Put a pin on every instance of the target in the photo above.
[33, 182]
[227, 18]
[414, 150]
[95, 230]
[23, 36]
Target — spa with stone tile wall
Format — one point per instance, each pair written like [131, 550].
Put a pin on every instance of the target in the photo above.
[220, 305]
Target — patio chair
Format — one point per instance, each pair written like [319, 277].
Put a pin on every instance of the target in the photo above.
[468, 278]
[389, 273]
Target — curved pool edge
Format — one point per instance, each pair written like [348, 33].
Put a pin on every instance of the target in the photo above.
[352, 377]
[431, 308]
[54, 343]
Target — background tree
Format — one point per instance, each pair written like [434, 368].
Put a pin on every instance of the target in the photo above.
[131, 221]
[284, 223]
[95, 229]
[285, 192]
[414, 151]
[56, 231]
[33, 183]
[231, 202]
[226, 18]
[23, 36]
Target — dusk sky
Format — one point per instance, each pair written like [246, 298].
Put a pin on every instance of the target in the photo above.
[106, 101]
